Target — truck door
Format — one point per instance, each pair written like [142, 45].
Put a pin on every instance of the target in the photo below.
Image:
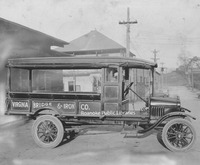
[111, 96]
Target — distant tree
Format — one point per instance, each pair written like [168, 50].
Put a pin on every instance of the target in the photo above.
[195, 62]
[187, 65]
[184, 59]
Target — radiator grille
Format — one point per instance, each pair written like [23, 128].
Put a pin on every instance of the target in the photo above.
[157, 111]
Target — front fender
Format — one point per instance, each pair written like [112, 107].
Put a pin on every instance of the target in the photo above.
[185, 109]
[165, 117]
[178, 114]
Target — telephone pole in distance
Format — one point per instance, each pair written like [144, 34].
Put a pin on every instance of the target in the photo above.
[127, 23]
[155, 55]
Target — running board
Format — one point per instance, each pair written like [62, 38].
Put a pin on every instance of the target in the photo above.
[136, 134]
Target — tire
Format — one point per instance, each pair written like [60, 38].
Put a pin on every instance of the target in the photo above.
[47, 131]
[178, 135]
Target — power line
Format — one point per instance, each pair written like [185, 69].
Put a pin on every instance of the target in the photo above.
[170, 43]
[168, 40]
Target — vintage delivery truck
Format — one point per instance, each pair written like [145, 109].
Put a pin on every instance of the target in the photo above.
[60, 93]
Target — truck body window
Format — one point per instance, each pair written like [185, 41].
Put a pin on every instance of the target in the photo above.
[19, 80]
[79, 80]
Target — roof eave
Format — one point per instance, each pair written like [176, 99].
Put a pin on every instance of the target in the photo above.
[54, 41]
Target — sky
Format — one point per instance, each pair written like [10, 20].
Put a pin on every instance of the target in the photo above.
[170, 26]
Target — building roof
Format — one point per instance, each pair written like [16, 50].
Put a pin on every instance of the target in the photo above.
[20, 41]
[93, 42]
[26, 35]
[80, 62]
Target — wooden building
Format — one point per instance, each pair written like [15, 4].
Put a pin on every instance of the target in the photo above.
[20, 41]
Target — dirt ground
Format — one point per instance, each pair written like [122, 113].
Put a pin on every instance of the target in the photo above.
[99, 145]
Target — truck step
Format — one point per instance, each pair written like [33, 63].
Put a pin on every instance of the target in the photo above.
[69, 130]
[131, 134]
[137, 134]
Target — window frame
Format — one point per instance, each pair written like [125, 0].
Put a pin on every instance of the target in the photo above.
[105, 75]
[27, 84]
[76, 85]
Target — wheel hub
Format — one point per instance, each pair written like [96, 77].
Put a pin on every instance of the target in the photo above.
[47, 132]
[179, 136]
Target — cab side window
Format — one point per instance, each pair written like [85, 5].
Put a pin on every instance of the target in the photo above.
[111, 74]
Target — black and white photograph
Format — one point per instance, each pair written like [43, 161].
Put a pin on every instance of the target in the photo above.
[99, 82]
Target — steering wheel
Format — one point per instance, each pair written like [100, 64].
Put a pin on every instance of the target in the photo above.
[127, 88]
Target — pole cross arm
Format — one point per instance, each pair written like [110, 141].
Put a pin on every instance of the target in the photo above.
[129, 22]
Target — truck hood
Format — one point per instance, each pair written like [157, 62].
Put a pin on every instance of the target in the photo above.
[165, 101]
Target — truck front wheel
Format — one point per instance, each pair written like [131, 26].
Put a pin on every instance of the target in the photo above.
[47, 131]
[178, 135]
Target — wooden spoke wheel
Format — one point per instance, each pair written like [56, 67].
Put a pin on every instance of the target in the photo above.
[47, 131]
[178, 135]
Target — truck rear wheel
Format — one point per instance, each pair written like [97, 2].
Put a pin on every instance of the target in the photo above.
[178, 135]
[47, 131]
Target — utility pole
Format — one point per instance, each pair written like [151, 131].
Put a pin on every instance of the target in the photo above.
[162, 71]
[127, 23]
[155, 59]
[155, 55]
